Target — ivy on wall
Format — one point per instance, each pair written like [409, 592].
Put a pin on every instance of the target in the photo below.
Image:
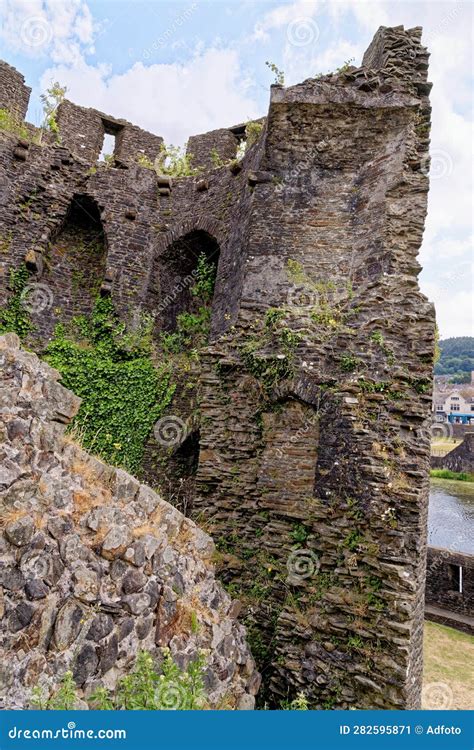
[125, 383]
[15, 317]
[123, 392]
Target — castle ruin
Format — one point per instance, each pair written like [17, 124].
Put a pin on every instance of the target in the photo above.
[307, 436]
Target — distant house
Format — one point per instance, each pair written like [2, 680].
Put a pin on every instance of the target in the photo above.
[453, 402]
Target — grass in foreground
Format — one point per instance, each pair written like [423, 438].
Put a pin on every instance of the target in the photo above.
[449, 655]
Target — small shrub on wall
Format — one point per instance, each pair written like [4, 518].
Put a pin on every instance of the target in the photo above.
[123, 393]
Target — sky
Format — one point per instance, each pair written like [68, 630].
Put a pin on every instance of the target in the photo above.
[182, 68]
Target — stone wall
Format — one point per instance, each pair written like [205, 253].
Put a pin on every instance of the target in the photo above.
[317, 482]
[82, 131]
[14, 95]
[459, 459]
[312, 406]
[210, 147]
[95, 566]
[450, 580]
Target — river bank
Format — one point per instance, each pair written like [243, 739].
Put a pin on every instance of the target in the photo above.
[451, 515]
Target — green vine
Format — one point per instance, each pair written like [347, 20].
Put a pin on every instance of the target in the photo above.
[9, 123]
[14, 318]
[192, 329]
[175, 162]
[279, 74]
[123, 393]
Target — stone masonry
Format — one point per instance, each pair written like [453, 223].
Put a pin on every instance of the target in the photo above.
[311, 421]
[95, 566]
[459, 459]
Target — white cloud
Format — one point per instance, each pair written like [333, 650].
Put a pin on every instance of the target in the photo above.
[454, 311]
[300, 64]
[284, 15]
[442, 249]
[47, 28]
[173, 100]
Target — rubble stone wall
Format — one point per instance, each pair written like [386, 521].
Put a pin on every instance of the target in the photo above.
[460, 458]
[94, 566]
[450, 580]
[14, 95]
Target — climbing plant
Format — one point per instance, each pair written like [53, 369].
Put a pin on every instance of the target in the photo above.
[10, 124]
[192, 329]
[123, 392]
[174, 161]
[14, 318]
[279, 74]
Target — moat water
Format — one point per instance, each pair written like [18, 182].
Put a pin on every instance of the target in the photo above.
[451, 515]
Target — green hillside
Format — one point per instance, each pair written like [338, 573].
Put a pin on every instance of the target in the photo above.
[456, 358]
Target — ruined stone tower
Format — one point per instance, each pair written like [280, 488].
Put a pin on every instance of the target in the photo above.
[307, 437]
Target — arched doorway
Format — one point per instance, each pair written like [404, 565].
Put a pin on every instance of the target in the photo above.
[179, 268]
[180, 299]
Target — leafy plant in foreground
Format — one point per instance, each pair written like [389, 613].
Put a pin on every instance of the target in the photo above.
[143, 689]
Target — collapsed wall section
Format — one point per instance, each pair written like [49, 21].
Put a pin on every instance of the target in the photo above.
[82, 130]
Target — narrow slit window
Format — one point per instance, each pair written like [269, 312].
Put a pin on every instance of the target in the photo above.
[455, 576]
[108, 147]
